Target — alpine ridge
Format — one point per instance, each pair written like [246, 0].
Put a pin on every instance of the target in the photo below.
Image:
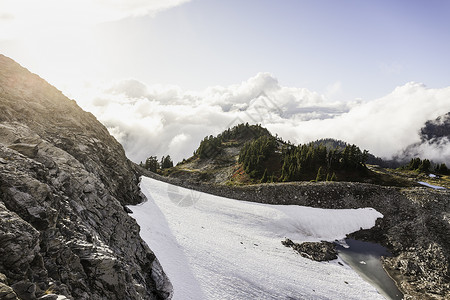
[64, 183]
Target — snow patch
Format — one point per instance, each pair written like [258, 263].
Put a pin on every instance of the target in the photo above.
[220, 248]
[432, 186]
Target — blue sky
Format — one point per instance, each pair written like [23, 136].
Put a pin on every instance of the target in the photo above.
[174, 71]
[350, 49]
[366, 47]
[369, 48]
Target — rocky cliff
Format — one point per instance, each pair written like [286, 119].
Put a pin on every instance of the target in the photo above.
[64, 182]
[415, 226]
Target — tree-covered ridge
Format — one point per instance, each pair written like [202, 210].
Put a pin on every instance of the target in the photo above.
[255, 153]
[267, 159]
[264, 157]
[426, 166]
[330, 143]
[248, 154]
[312, 161]
[209, 147]
[212, 146]
[370, 159]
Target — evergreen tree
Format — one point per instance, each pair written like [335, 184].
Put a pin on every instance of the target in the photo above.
[320, 174]
[151, 164]
[264, 177]
[209, 147]
[442, 169]
[414, 164]
[166, 162]
[303, 162]
[333, 177]
[425, 166]
[255, 153]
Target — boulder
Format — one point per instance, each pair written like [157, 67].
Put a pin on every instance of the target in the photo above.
[317, 251]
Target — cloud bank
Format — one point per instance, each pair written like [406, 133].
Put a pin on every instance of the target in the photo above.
[26, 18]
[161, 120]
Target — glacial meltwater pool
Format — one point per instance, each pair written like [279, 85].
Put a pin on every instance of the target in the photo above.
[364, 258]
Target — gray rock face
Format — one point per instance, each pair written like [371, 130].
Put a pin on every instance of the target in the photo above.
[64, 181]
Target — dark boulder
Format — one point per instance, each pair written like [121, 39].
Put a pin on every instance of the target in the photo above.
[318, 251]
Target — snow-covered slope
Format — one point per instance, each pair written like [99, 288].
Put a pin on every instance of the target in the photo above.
[217, 248]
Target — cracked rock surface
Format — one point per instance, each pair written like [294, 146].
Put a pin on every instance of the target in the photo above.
[64, 182]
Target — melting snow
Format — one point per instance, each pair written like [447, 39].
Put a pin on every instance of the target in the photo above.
[431, 186]
[218, 248]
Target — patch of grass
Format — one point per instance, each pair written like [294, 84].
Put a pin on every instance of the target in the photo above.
[239, 177]
[388, 179]
[405, 178]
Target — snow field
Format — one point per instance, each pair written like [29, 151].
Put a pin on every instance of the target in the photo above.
[219, 248]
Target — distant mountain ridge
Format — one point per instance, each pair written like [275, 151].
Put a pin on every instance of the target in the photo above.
[434, 142]
[435, 129]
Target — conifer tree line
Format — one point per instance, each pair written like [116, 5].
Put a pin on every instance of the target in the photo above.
[267, 158]
[212, 146]
[255, 153]
[426, 166]
[209, 147]
[302, 162]
[152, 163]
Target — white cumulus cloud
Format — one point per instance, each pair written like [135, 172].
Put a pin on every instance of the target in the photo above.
[161, 120]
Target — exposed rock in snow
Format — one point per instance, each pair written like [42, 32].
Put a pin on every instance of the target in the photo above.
[318, 251]
[220, 248]
[414, 228]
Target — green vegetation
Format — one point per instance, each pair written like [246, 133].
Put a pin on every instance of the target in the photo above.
[211, 146]
[166, 162]
[153, 165]
[249, 154]
[262, 159]
[370, 159]
[426, 166]
[255, 153]
[317, 162]
[442, 169]
[243, 132]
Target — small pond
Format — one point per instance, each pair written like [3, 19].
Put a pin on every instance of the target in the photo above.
[364, 258]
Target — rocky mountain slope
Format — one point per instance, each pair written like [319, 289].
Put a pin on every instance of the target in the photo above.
[435, 129]
[64, 182]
